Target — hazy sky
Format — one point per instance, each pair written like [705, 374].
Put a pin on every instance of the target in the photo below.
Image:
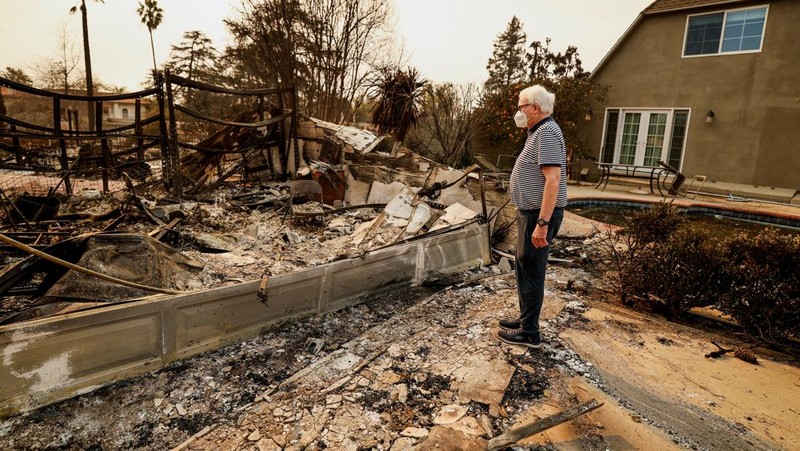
[447, 40]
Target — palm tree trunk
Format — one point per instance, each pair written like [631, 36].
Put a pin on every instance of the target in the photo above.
[153, 49]
[87, 58]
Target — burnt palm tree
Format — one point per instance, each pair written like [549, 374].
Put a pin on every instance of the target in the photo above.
[399, 96]
[151, 16]
[87, 58]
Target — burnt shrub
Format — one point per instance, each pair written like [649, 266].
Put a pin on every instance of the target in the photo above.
[764, 291]
[681, 270]
[673, 266]
[645, 229]
[655, 224]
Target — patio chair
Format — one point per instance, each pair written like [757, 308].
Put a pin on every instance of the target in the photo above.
[677, 180]
[690, 189]
[309, 189]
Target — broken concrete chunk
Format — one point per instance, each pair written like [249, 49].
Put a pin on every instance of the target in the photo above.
[441, 438]
[414, 432]
[486, 424]
[381, 193]
[292, 237]
[357, 192]
[402, 444]
[215, 243]
[402, 393]
[484, 381]
[338, 222]
[351, 138]
[333, 400]
[469, 426]
[181, 410]
[254, 436]
[268, 444]
[454, 214]
[399, 209]
[504, 265]
[363, 229]
[420, 217]
[388, 378]
[449, 414]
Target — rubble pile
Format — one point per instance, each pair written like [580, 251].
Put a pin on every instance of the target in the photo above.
[242, 231]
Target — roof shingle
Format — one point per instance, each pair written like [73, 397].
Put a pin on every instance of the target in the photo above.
[659, 6]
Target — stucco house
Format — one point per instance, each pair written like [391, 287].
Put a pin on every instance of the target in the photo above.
[122, 110]
[711, 87]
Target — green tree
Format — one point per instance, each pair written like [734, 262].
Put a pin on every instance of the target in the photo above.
[498, 113]
[151, 16]
[562, 74]
[507, 63]
[543, 64]
[17, 75]
[398, 96]
[196, 58]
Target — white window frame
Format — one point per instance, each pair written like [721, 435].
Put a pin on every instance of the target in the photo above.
[719, 51]
[667, 132]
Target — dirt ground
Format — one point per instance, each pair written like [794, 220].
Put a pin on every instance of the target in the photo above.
[423, 369]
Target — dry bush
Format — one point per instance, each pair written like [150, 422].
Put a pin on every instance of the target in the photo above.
[648, 226]
[661, 260]
[655, 224]
[683, 270]
[764, 291]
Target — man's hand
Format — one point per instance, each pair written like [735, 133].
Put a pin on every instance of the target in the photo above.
[539, 237]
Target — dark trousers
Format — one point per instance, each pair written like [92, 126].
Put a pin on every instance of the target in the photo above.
[531, 265]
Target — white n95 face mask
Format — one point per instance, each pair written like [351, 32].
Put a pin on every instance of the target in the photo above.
[521, 120]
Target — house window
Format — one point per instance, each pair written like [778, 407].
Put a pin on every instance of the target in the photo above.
[612, 122]
[679, 122]
[735, 31]
[124, 113]
[644, 137]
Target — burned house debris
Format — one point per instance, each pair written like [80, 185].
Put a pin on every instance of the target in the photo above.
[219, 215]
[229, 227]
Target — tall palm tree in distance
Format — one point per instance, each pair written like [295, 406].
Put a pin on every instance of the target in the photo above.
[87, 58]
[151, 16]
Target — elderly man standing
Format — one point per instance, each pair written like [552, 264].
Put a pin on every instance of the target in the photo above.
[539, 191]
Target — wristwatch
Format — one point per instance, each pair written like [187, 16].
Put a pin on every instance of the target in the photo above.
[542, 222]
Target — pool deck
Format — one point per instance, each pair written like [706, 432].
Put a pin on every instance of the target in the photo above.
[757, 202]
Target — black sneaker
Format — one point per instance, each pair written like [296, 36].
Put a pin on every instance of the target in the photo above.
[518, 337]
[509, 324]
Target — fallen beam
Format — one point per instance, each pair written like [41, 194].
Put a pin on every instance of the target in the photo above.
[514, 435]
[51, 359]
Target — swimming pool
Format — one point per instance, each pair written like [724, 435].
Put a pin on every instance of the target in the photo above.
[619, 212]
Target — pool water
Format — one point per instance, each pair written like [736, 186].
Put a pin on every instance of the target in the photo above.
[719, 226]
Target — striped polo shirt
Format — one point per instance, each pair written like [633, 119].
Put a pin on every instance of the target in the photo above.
[544, 147]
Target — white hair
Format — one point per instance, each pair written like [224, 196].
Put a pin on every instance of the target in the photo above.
[540, 96]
